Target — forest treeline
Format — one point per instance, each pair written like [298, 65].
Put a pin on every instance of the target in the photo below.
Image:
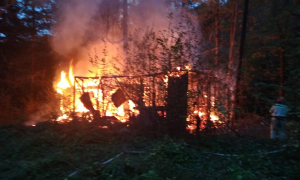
[270, 64]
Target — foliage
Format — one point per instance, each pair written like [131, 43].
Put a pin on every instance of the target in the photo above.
[266, 38]
[155, 52]
[27, 61]
[53, 151]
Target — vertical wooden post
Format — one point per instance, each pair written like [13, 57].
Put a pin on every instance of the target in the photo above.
[103, 104]
[74, 94]
[153, 93]
[98, 94]
[177, 104]
[208, 98]
[141, 102]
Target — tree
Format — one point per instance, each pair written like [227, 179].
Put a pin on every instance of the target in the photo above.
[5, 6]
[240, 61]
[28, 74]
[272, 52]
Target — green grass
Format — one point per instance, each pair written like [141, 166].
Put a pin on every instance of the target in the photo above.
[52, 151]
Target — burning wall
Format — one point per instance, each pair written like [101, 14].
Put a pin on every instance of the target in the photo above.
[100, 91]
[204, 95]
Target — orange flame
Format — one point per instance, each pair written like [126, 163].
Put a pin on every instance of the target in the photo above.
[63, 84]
[71, 75]
[96, 95]
[212, 116]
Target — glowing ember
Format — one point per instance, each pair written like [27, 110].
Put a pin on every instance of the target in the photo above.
[187, 119]
[212, 116]
[188, 67]
[191, 127]
[166, 79]
[201, 114]
[103, 127]
[63, 117]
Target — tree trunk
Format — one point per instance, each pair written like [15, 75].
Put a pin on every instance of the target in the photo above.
[233, 22]
[125, 24]
[33, 34]
[238, 76]
[217, 30]
[281, 72]
[217, 34]
[229, 77]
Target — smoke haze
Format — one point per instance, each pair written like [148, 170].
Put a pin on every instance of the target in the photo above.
[83, 25]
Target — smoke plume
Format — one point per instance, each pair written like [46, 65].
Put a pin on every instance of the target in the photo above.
[83, 26]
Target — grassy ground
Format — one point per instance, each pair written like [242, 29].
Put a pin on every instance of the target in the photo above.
[51, 151]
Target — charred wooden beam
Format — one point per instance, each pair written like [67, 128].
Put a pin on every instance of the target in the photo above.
[177, 104]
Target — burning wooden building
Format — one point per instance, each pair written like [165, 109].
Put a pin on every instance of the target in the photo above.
[171, 99]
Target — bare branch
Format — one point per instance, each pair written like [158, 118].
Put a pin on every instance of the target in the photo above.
[210, 50]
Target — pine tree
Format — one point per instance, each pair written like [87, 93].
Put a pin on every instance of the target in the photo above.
[27, 60]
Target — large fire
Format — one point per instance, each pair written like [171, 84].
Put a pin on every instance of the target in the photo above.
[70, 89]
[66, 88]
